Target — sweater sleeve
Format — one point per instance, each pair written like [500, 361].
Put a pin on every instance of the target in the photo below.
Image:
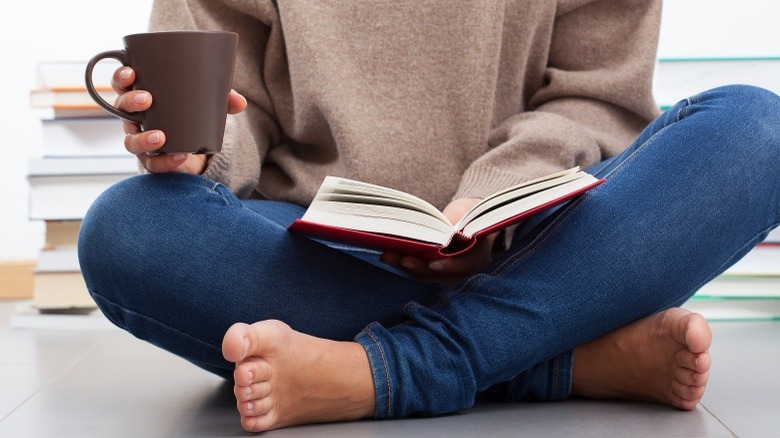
[248, 135]
[595, 97]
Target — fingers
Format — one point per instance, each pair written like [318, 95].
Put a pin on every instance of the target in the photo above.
[134, 101]
[144, 144]
[236, 102]
[445, 271]
[185, 163]
[161, 163]
[122, 79]
[137, 142]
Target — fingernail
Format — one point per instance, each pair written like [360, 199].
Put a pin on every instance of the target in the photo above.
[125, 73]
[140, 97]
[407, 264]
[153, 138]
[178, 157]
[436, 266]
[246, 349]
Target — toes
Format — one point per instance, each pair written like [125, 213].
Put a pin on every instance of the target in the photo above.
[696, 362]
[686, 376]
[703, 362]
[253, 371]
[688, 393]
[689, 377]
[255, 408]
[235, 344]
[698, 335]
[252, 392]
[259, 423]
[260, 339]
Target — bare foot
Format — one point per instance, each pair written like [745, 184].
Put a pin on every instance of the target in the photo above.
[285, 378]
[663, 358]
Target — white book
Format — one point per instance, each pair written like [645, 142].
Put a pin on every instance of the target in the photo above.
[71, 112]
[125, 164]
[677, 79]
[736, 309]
[58, 260]
[65, 188]
[83, 137]
[740, 287]
[67, 98]
[66, 197]
[27, 317]
[774, 236]
[763, 260]
[70, 74]
[57, 281]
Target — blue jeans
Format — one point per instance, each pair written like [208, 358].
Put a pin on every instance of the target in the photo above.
[176, 259]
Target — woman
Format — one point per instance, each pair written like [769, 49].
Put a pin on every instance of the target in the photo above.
[450, 101]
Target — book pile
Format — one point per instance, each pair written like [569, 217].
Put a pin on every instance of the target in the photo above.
[750, 290]
[82, 155]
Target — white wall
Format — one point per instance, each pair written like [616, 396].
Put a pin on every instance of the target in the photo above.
[34, 30]
[715, 28]
[30, 31]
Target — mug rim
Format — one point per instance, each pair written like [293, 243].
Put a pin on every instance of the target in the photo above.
[181, 32]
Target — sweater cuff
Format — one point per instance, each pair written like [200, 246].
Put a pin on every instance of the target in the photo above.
[240, 176]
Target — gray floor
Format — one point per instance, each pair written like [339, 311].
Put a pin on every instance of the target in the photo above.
[107, 384]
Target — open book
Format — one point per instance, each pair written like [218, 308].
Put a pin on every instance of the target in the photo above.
[385, 219]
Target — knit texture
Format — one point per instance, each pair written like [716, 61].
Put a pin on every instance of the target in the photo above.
[440, 98]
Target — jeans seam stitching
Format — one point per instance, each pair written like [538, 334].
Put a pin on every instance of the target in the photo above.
[555, 378]
[150, 319]
[387, 372]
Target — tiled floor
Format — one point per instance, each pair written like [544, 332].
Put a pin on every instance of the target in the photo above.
[107, 384]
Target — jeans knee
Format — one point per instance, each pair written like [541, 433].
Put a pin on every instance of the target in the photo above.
[136, 225]
[743, 117]
[746, 104]
[104, 230]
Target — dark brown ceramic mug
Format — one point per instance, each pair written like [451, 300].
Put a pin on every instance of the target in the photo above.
[189, 75]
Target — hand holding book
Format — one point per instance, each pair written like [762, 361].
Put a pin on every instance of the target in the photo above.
[389, 220]
[448, 270]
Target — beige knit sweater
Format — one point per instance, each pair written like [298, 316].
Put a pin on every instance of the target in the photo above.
[440, 98]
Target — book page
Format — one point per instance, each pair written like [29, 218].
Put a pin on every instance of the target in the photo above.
[522, 205]
[375, 194]
[383, 219]
[516, 192]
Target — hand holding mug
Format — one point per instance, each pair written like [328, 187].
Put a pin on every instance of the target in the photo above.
[144, 144]
[175, 94]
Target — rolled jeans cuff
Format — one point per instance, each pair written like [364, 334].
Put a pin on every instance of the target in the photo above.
[379, 371]
[559, 382]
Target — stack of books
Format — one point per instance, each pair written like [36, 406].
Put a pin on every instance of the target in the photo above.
[82, 155]
[749, 290]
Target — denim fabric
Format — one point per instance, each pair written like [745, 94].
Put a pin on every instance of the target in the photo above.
[176, 259]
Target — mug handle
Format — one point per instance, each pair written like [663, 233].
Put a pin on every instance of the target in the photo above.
[121, 56]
